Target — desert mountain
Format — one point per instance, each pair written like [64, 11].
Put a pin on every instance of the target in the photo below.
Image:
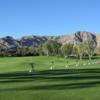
[32, 40]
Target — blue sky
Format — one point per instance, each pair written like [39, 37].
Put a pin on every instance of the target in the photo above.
[48, 17]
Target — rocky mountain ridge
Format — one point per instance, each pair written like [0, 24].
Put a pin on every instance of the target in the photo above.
[32, 40]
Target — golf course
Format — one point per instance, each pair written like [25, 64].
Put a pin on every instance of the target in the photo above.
[69, 79]
[49, 50]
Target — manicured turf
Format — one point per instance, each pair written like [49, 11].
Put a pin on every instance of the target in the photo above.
[61, 83]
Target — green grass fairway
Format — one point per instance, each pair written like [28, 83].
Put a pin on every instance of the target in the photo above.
[80, 82]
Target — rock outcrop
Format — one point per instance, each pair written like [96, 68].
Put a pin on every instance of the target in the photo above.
[79, 36]
[82, 36]
[32, 40]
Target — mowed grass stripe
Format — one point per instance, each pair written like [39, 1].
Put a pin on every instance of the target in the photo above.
[72, 83]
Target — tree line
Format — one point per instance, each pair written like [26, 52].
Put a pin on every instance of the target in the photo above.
[77, 49]
[53, 48]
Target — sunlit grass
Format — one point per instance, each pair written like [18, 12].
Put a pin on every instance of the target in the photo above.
[62, 83]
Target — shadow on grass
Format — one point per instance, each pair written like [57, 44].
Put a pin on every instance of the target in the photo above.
[55, 79]
[78, 85]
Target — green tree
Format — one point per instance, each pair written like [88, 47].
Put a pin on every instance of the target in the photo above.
[66, 50]
[40, 50]
[51, 48]
[89, 48]
[97, 51]
[23, 51]
[3, 49]
[79, 50]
